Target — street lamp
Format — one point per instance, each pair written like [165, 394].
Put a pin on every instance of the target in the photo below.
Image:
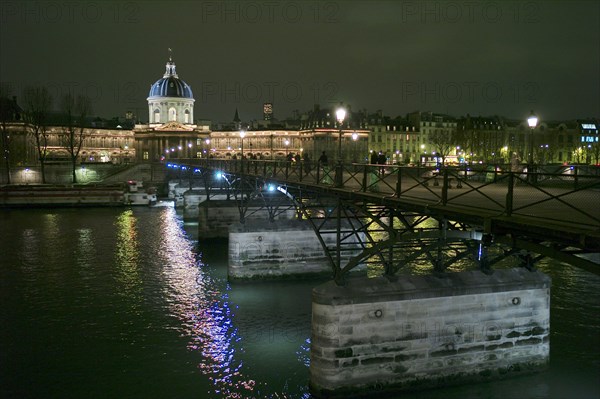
[532, 122]
[340, 115]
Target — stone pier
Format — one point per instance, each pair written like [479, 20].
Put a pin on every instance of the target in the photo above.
[263, 250]
[375, 336]
[215, 217]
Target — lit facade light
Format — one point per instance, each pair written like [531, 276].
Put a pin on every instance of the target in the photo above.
[354, 136]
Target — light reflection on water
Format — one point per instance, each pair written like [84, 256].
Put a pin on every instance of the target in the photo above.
[204, 311]
[127, 262]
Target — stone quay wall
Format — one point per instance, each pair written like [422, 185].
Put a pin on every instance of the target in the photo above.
[373, 336]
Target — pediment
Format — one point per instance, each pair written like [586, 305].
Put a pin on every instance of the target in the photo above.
[174, 126]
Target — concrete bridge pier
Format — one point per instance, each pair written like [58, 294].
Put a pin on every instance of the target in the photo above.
[215, 216]
[260, 249]
[374, 336]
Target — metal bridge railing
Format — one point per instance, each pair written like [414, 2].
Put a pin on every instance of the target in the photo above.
[570, 196]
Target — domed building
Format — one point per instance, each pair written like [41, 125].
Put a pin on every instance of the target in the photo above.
[170, 99]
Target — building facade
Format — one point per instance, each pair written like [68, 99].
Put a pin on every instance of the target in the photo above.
[420, 138]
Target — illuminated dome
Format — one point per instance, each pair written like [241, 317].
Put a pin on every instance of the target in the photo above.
[170, 85]
[170, 99]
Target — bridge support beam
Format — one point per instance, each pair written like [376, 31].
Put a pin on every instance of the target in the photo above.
[373, 336]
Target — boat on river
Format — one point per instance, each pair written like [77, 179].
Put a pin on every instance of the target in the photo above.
[57, 195]
[75, 195]
[136, 194]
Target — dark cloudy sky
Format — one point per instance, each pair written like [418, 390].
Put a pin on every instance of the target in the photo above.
[457, 57]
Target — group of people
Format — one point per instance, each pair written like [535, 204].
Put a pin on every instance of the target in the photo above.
[379, 158]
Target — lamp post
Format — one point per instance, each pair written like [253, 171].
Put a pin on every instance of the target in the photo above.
[340, 115]
[286, 143]
[532, 122]
[242, 135]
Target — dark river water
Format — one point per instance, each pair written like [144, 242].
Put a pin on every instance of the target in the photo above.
[127, 303]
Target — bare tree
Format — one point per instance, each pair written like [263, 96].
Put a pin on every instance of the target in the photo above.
[6, 115]
[443, 142]
[38, 102]
[76, 110]
[595, 152]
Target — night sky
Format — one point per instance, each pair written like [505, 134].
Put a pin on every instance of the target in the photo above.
[456, 57]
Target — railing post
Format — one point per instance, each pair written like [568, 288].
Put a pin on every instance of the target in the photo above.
[264, 168]
[339, 174]
[399, 182]
[364, 180]
[287, 169]
[576, 177]
[445, 188]
[509, 193]
[318, 173]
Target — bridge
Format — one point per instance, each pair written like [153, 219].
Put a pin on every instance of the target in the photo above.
[535, 215]
[400, 331]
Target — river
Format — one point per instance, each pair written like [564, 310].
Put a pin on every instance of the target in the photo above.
[128, 303]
